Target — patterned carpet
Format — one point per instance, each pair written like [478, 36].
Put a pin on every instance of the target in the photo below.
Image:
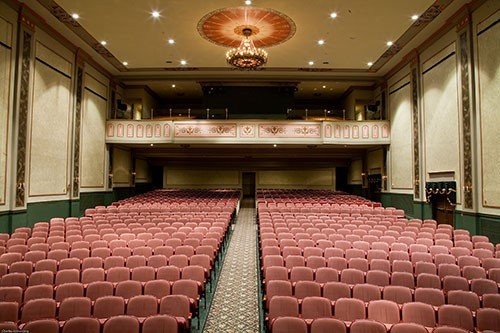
[235, 306]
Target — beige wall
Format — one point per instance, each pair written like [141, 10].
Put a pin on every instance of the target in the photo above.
[310, 179]
[122, 167]
[441, 115]
[50, 124]
[375, 162]
[94, 152]
[488, 85]
[143, 174]
[354, 174]
[401, 150]
[6, 30]
[201, 178]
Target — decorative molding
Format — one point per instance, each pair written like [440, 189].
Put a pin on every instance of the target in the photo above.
[224, 26]
[246, 130]
[466, 96]
[415, 104]
[78, 121]
[197, 129]
[291, 130]
[312, 132]
[22, 134]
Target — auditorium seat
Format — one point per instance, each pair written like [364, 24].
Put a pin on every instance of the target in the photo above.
[81, 324]
[326, 325]
[122, 324]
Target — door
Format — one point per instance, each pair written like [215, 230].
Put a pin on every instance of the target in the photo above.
[248, 184]
[442, 209]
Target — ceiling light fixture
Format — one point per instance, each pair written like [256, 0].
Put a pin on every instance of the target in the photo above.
[125, 63]
[321, 42]
[389, 43]
[333, 15]
[103, 43]
[183, 62]
[370, 64]
[248, 2]
[311, 63]
[173, 85]
[414, 17]
[246, 56]
[155, 14]
[75, 16]
[171, 41]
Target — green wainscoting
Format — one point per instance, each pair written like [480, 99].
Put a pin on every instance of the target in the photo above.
[467, 221]
[44, 211]
[413, 209]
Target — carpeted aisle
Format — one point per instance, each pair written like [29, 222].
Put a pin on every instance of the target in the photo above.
[235, 306]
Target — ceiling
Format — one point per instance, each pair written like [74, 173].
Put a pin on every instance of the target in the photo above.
[288, 30]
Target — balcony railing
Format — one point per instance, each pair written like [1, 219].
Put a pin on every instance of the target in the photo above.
[248, 131]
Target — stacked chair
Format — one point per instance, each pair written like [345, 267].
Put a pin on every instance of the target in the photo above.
[356, 267]
[139, 265]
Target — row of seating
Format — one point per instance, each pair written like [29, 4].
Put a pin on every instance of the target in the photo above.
[336, 258]
[58, 263]
[94, 290]
[379, 272]
[121, 323]
[113, 274]
[387, 312]
[102, 308]
[321, 325]
[369, 292]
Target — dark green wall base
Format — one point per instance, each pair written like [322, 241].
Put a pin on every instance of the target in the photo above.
[475, 223]
[356, 190]
[44, 211]
[479, 224]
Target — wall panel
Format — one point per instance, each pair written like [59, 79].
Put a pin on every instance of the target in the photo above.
[296, 179]
[5, 78]
[142, 174]
[50, 124]
[441, 117]
[201, 178]
[488, 49]
[401, 152]
[93, 159]
[122, 166]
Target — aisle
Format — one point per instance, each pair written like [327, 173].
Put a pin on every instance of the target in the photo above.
[235, 304]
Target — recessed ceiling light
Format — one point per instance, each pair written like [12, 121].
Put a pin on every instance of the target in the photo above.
[275, 145]
[171, 41]
[333, 14]
[183, 62]
[324, 87]
[389, 43]
[311, 63]
[151, 145]
[125, 63]
[414, 17]
[155, 14]
[75, 16]
[248, 2]
[321, 42]
[103, 43]
[173, 85]
[370, 64]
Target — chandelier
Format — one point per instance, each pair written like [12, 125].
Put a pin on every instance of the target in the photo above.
[246, 56]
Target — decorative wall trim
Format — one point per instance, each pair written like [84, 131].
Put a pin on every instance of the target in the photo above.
[342, 132]
[415, 104]
[78, 122]
[24, 87]
[466, 96]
